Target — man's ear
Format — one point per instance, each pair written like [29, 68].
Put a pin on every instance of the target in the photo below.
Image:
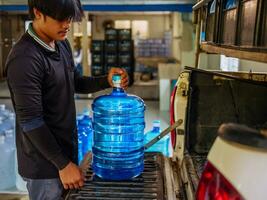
[37, 13]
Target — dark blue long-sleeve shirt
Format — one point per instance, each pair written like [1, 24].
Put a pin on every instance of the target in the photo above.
[42, 84]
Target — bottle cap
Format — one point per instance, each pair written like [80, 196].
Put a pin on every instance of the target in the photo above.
[156, 123]
[116, 79]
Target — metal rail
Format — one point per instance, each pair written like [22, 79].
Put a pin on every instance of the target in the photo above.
[163, 133]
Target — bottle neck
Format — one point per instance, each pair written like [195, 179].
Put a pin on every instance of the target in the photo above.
[118, 91]
[116, 84]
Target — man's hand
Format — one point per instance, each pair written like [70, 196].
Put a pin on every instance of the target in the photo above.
[71, 177]
[124, 77]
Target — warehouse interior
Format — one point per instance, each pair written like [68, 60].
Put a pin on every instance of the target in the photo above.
[155, 42]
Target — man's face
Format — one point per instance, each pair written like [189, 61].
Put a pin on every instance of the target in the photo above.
[54, 29]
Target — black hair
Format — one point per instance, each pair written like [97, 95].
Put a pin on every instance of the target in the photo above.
[57, 9]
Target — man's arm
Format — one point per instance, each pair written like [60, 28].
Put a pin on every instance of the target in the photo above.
[86, 85]
[25, 77]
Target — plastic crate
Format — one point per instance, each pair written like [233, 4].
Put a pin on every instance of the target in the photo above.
[108, 67]
[247, 24]
[263, 27]
[125, 34]
[111, 59]
[97, 59]
[97, 46]
[111, 34]
[125, 59]
[229, 22]
[126, 46]
[111, 46]
[211, 21]
[97, 70]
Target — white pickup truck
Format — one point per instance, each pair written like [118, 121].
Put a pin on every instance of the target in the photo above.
[217, 161]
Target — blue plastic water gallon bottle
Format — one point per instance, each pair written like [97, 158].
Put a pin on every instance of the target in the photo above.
[3, 112]
[118, 141]
[87, 123]
[7, 170]
[163, 145]
[10, 120]
[10, 137]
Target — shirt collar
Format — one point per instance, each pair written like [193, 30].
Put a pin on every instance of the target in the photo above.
[32, 33]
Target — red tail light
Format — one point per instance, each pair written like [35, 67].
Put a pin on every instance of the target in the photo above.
[172, 120]
[213, 186]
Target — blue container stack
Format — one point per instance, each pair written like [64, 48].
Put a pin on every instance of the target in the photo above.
[7, 169]
[163, 145]
[85, 134]
[118, 125]
[7, 148]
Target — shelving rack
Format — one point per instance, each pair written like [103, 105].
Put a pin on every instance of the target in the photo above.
[256, 52]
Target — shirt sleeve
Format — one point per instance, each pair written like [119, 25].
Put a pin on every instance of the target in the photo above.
[25, 78]
[85, 84]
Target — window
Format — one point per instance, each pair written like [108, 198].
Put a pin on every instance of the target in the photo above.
[140, 29]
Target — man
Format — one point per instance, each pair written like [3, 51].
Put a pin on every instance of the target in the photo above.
[42, 80]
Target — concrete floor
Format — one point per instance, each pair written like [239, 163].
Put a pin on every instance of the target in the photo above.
[13, 197]
[4, 93]
[152, 112]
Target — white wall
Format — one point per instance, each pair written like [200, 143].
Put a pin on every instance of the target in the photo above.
[187, 45]
[246, 65]
[209, 61]
[177, 32]
[212, 62]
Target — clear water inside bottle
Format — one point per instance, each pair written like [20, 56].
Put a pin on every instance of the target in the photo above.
[118, 140]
